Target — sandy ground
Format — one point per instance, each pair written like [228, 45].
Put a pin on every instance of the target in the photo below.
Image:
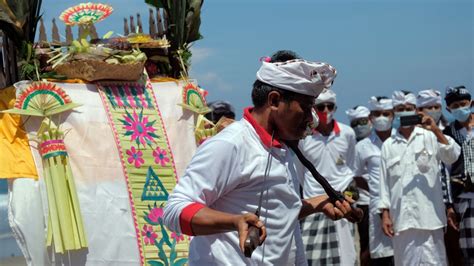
[13, 261]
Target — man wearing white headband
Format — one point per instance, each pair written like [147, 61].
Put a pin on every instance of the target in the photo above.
[247, 167]
[367, 163]
[359, 121]
[429, 102]
[411, 198]
[331, 150]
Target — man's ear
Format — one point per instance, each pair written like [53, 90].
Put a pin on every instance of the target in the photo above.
[273, 99]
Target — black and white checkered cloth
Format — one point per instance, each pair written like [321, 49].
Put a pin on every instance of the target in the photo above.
[445, 184]
[465, 208]
[320, 240]
[467, 148]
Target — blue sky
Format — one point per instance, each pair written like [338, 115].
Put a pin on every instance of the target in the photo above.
[377, 46]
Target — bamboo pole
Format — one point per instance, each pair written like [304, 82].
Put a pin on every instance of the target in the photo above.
[126, 30]
[55, 32]
[139, 23]
[151, 23]
[42, 32]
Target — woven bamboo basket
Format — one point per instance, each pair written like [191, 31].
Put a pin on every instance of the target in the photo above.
[92, 70]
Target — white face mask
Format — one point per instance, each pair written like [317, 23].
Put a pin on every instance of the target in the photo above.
[382, 123]
[436, 115]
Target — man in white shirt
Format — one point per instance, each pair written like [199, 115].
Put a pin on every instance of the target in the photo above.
[331, 149]
[247, 167]
[411, 200]
[459, 104]
[360, 123]
[367, 163]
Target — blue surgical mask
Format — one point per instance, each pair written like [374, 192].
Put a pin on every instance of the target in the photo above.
[462, 113]
[397, 115]
[362, 131]
[436, 115]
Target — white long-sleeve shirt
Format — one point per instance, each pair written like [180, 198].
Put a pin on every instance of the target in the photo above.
[333, 157]
[367, 162]
[415, 199]
[227, 174]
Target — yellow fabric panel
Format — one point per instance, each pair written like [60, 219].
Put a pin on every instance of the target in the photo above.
[15, 154]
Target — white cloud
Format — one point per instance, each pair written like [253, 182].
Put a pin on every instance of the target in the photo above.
[200, 54]
[212, 81]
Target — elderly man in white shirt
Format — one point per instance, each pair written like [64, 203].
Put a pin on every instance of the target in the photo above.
[360, 123]
[246, 177]
[331, 149]
[411, 200]
[367, 163]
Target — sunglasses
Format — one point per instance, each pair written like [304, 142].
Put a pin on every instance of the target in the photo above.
[381, 113]
[404, 109]
[321, 107]
[362, 122]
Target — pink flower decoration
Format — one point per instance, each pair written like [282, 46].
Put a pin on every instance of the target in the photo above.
[149, 235]
[265, 59]
[160, 156]
[138, 127]
[135, 157]
[155, 214]
[177, 237]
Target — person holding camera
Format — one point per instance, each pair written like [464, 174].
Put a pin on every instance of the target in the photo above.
[461, 172]
[411, 198]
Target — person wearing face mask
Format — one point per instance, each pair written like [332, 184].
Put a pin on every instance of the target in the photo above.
[367, 163]
[428, 102]
[248, 167]
[459, 104]
[411, 198]
[359, 121]
[331, 150]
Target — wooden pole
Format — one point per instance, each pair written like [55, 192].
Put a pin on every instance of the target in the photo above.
[55, 35]
[159, 23]
[132, 25]
[69, 37]
[94, 34]
[42, 32]
[151, 24]
[126, 30]
[139, 23]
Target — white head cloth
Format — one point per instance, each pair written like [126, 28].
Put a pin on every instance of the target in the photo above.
[399, 98]
[428, 98]
[326, 96]
[298, 75]
[358, 112]
[380, 105]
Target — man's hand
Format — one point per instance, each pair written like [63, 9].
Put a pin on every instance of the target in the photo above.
[452, 219]
[387, 225]
[242, 224]
[334, 212]
[428, 123]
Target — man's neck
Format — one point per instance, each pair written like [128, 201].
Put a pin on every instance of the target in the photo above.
[383, 135]
[406, 131]
[261, 116]
[325, 129]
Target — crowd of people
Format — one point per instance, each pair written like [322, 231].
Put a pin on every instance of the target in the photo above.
[412, 169]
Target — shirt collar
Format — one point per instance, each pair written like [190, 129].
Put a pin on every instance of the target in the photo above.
[264, 136]
[399, 137]
[336, 129]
